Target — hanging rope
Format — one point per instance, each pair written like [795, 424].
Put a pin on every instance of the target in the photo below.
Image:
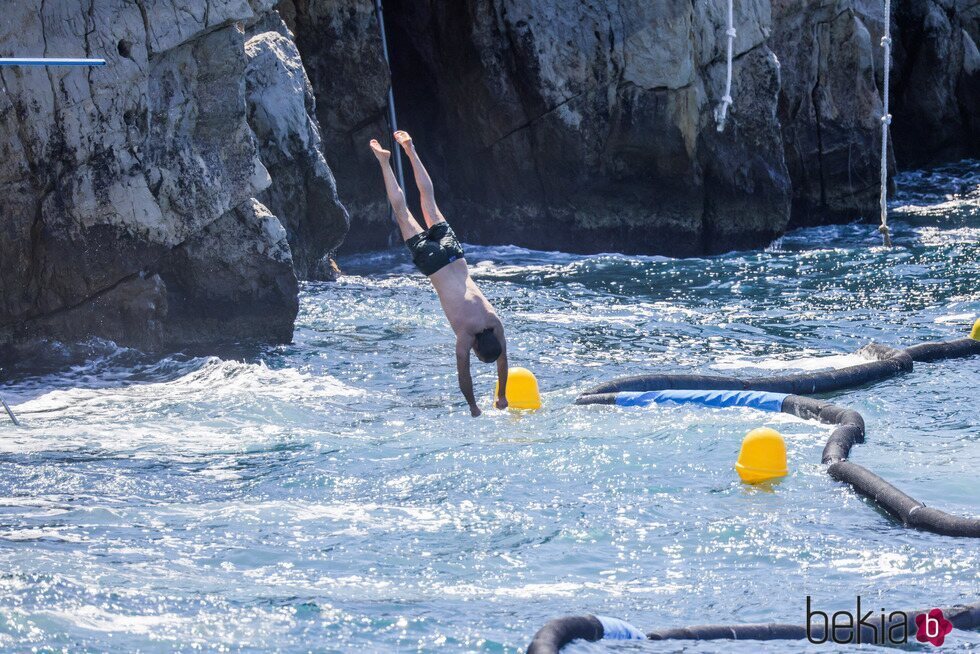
[392, 116]
[886, 120]
[9, 412]
[721, 111]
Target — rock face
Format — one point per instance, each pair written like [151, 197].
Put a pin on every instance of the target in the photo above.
[341, 46]
[937, 102]
[235, 277]
[174, 196]
[829, 106]
[587, 126]
[129, 191]
[240, 267]
[281, 110]
[832, 70]
[591, 128]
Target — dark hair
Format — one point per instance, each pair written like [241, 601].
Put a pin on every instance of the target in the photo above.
[487, 346]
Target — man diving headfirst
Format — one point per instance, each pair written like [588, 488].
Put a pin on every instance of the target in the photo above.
[437, 253]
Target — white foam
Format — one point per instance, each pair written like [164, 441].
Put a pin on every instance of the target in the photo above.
[961, 318]
[216, 379]
[214, 400]
[836, 362]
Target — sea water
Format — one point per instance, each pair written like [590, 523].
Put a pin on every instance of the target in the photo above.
[334, 495]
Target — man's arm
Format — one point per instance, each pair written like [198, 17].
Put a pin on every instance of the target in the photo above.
[502, 369]
[463, 370]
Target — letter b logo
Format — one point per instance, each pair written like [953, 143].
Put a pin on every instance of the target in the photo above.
[932, 627]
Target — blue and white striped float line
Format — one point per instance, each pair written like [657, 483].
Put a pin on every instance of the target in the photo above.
[761, 400]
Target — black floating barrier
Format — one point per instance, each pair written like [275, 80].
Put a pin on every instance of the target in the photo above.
[561, 631]
[885, 362]
[850, 430]
[558, 633]
[961, 347]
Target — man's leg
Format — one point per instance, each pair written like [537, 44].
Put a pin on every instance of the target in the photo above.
[406, 222]
[430, 211]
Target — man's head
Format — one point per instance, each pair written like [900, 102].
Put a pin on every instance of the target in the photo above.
[487, 347]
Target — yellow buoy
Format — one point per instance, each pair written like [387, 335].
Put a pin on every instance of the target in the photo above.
[975, 334]
[762, 457]
[522, 389]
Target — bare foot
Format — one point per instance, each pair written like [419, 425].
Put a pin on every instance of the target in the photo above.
[405, 140]
[382, 154]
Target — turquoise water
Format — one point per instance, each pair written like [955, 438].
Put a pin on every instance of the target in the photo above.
[334, 495]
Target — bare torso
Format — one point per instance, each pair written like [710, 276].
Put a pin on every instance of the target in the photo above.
[464, 305]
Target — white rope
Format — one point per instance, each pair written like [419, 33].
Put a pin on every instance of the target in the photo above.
[721, 111]
[886, 120]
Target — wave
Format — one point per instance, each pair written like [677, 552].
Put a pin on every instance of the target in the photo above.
[836, 362]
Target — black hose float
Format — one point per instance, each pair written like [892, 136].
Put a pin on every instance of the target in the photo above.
[885, 362]
[561, 631]
[850, 430]
[785, 393]
[958, 349]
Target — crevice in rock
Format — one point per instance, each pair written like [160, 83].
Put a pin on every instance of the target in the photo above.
[525, 86]
[20, 324]
[89, 29]
[153, 268]
[536, 119]
[146, 29]
[815, 103]
[367, 121]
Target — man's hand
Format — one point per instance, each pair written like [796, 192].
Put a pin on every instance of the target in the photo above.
[502, 370]
[463, 370]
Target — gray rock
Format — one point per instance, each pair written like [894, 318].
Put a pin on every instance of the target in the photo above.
[746, 183]
[236, 275]
[108, 175]
[586, 125]
[937, 100]
[829, 107]
[968, 12]
[341, 48]
[590, 127]
[281, 111]
[134, 310]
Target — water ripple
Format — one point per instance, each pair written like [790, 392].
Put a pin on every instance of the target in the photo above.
[334, 495]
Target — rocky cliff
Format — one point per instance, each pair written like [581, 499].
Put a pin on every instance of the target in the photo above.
[282, 113]
[830, 107]
[593, 129]
[341, 47]
[832, 64]
[130, 193]
[588, 126]
[937, 100]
